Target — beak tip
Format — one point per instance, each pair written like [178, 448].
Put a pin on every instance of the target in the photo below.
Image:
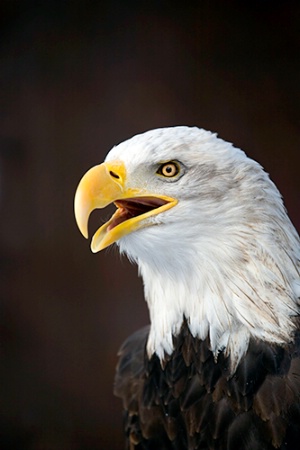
[94, 250]
[81, 222]
[85, 234]
[81, 215]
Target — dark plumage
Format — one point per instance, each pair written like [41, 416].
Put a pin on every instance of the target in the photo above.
[193, 403]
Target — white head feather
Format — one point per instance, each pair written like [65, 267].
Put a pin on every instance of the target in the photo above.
[226, 257]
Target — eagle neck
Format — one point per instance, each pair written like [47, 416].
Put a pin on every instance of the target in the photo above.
[223, 302]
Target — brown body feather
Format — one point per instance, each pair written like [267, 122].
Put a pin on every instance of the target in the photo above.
[194, 403]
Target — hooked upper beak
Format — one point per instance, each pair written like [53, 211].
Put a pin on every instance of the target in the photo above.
[105, 184]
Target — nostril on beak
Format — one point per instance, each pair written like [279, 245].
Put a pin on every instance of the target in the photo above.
[113, 174]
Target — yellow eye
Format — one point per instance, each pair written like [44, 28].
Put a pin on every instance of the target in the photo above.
[169, 169]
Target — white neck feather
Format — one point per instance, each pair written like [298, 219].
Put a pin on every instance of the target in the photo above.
[229, 287]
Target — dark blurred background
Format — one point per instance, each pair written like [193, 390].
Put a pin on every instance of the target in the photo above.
[78, 77]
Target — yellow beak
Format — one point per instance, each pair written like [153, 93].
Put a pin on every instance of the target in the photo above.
[106, 184]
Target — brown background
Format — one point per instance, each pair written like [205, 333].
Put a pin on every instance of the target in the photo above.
[78, 77]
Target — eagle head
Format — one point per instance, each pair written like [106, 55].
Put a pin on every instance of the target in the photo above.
[209, 232]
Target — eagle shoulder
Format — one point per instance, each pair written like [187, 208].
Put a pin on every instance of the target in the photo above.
[193, 402]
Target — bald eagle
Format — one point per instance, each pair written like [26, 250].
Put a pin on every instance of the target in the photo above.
[219, 366]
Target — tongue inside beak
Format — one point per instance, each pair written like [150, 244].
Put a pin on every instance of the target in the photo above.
[134, 207]
[129, 216]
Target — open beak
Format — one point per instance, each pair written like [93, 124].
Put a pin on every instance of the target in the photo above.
[105, 184]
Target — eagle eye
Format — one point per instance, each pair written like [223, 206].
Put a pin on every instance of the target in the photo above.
[169, 169]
